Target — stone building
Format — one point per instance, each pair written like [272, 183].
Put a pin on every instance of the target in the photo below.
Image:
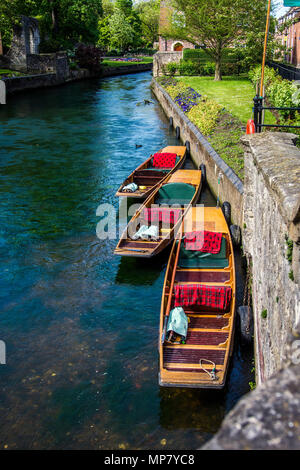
[24, 52]
[26, 40]
[169, 45]
[290, 37]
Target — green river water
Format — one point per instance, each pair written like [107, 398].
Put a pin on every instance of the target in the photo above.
[80, 324]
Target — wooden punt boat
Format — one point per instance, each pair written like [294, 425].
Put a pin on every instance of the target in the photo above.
[148, 178]
[168, 203]
[203, 360]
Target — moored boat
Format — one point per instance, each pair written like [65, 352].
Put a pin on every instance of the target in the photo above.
[154, 224]
[152, 172]
[198, 303]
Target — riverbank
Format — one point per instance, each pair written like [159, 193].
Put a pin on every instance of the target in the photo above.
[35, 81]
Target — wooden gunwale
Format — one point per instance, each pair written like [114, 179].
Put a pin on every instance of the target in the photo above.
[144, 194]
[215, 337]
[147, 249]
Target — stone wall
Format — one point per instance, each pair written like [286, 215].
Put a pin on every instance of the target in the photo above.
[271, 218]
[29, 82]
[161, 59]
[231, 187]
[266, 418]
[45, 63]
[125, 69]
[59, 77]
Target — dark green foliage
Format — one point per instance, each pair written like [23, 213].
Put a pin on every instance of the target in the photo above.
[232, 62]
[219, 25]
[264, 313]
[291, 275]
[62, 22]
[88, 57]
[289, 252]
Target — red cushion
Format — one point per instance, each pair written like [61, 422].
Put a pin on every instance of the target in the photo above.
[157, 214]
[217, 297]
[164, 160]
[209, 242]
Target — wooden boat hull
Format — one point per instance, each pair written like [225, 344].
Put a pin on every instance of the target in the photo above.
[143, 175]
[148, 249]
[210, 333]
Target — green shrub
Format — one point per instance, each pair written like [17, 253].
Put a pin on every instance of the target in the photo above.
[281, 93]
[188, 67]
[167, 81]
[199, 55]
[88, 57]
[232, 61]
[205, 115]
[171, 68]
[114, 53]
[230, 69]
[73, 66]
[209, 68]
[176, 90]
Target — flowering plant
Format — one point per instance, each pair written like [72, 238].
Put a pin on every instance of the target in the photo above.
[187, 99]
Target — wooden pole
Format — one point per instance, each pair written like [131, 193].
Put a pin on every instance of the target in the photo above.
[1, 48]
[265, 49]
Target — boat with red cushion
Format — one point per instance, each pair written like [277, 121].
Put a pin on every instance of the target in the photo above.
[198, 303]
[152, 172]
[154, 224]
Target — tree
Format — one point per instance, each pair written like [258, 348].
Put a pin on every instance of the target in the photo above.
[123, 27]
[216, 24]
[148, 13]
[10, 13]
[64, 22]
[121, 32]
[72, 20]
[125, 6]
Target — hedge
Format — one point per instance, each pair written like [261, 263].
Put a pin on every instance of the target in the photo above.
[203, 64]
[200, 55]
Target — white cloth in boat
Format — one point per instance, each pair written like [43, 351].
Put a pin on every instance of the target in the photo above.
[178, 322]
[132, 187]
[145, 232]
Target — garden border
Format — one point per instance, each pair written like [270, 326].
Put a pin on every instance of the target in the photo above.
[231, 188]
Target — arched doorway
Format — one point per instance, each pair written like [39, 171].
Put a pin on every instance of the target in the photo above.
[34, 40]
[177, 47]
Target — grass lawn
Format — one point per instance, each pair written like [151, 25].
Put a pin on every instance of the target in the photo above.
[234, 93]
[4, 73]
[120, 62]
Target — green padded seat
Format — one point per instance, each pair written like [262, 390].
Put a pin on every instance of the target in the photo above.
[175, 193]
[197, 259]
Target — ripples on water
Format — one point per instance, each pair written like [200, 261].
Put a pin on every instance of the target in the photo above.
[81, 325]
